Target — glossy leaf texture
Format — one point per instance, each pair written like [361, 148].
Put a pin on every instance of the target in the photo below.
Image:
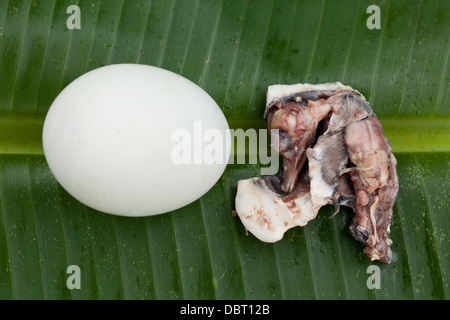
[233, 50]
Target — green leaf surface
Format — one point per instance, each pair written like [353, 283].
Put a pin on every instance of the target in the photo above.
[233, 50]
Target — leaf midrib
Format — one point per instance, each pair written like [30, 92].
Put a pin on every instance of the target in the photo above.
[20, 135]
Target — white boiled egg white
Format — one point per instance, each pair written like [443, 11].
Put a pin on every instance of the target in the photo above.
[135, 140]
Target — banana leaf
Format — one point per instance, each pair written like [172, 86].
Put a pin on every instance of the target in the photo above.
[234, 50]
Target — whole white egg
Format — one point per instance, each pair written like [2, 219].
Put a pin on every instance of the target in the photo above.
[135, 140]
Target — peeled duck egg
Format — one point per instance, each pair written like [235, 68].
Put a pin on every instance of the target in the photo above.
[131, 140]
